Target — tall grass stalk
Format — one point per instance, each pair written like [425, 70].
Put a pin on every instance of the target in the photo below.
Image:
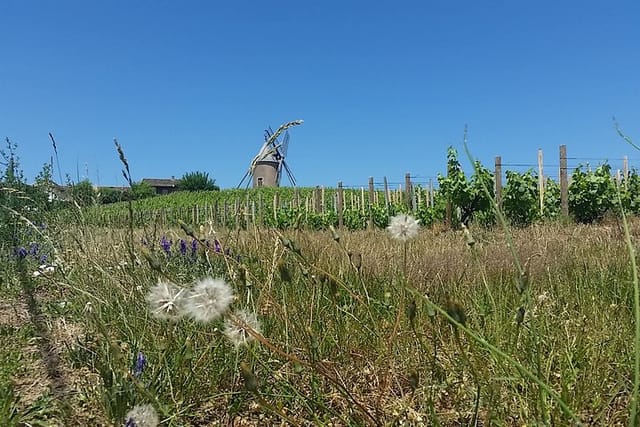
[633, 415]
[127, 175]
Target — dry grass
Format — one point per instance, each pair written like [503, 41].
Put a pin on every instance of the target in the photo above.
[358, 364]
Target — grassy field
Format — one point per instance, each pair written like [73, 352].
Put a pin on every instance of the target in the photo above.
[350, 328]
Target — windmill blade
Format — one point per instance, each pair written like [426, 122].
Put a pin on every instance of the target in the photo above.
[252, 165]
[282, 149]
[267, 133]
[274, 137]
[289, 174]
[243, 178]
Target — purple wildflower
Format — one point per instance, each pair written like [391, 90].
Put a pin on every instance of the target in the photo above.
[43, 259]
[34, 248]
[194, 246]
[216, 245]
[183, 247]
[166, 244]
[21, 252]
[141, 363]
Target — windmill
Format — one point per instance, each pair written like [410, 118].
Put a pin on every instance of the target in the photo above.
[266, 167]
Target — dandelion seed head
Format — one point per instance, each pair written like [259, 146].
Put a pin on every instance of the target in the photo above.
[209, 299]
[236, 328]
[166, 301]
[403, 227]
[142, 416]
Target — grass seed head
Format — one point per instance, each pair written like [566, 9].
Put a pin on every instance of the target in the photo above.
[411, 312]
[334, 233]
[468, 236]
[250, 380]
[523, 282]
[414, 380]
[520, 315]
[356, 260]
[283, 270]
[456, 312]
[186, 228]
[153, 261]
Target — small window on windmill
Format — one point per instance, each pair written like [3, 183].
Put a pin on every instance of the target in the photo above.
[260, 181]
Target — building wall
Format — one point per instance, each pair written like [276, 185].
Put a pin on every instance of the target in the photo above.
[265, 174]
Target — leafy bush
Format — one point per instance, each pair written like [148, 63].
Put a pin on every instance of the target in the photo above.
[197, 181]
[142, 190]
[630, 193]
[551, 204]
[110, 195]
[520, 200]
[591, 194]
[83, 193]
[467, 197]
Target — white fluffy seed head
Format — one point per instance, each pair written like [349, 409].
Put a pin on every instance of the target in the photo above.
[236, 327]
[166, 301]
[208, 299]
[403, 227]
[142, 416]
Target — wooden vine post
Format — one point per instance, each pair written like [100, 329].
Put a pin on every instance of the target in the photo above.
[564, 182]
[371, 202]
[407, 191]
[498, 180]
[340, 205]
[540, 181]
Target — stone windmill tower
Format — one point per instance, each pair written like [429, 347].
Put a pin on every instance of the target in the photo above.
[266, 167]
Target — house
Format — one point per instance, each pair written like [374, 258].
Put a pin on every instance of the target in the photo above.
[162, 185]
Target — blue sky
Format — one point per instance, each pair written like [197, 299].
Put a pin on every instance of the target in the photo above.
[383, 87]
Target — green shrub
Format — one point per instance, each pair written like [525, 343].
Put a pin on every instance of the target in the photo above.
[591, 194]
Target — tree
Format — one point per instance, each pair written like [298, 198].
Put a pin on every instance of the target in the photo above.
[142, 190]
[110, 195]
[83, 193]
[197, 181]
[12, 174]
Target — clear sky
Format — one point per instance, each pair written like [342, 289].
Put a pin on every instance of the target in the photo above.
[383, 87]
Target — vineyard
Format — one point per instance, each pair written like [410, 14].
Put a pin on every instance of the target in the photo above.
[590, 195]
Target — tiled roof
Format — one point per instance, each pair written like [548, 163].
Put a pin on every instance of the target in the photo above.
[161, 182]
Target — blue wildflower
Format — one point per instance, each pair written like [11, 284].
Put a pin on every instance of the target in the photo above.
[183, 247]
[34, 248]
[166, 244]
[43, 258]
[141, 363]
[194, 246]
[21, 252]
